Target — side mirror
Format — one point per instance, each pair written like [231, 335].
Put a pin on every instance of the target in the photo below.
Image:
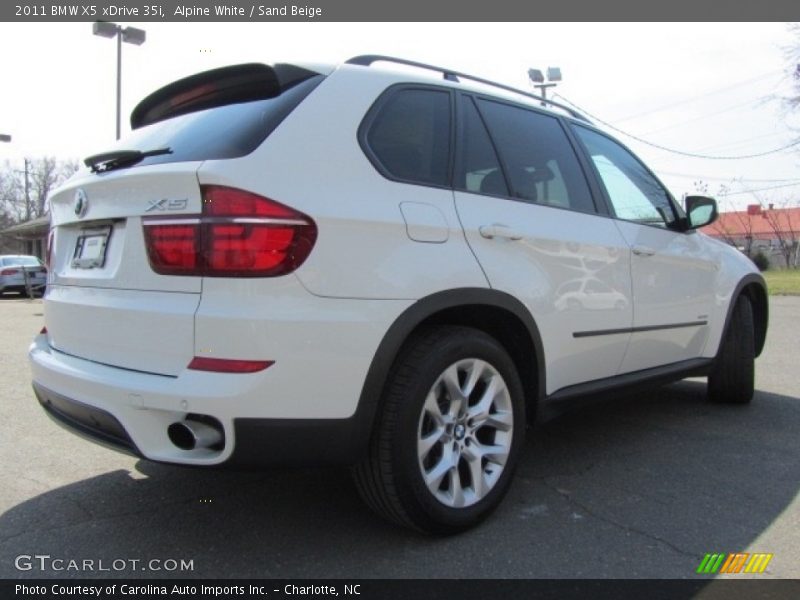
[700, 211]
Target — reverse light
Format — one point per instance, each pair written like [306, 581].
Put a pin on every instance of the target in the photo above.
[226, 365]
[238, 234]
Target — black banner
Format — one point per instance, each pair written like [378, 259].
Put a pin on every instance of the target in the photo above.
[366, 589]
[405, 10]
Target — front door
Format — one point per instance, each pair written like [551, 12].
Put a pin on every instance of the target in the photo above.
[673, 278]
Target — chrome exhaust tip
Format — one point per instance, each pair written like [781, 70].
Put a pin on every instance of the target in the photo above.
[188, 435]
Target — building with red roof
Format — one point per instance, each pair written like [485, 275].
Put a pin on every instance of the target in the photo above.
[774, 231]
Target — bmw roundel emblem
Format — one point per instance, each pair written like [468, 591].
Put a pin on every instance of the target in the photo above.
[81, 203]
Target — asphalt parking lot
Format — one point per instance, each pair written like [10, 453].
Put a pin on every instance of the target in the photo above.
[638, 487]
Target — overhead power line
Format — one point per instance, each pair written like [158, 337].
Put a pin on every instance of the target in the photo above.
[742, 141]
[726, 179]
[764, 189]
[700, 96]
[701, 117]
[673, 150]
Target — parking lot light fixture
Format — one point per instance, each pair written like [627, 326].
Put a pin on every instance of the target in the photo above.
[129, 35]
[538, 80]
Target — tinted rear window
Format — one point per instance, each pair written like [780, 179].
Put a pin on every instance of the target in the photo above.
[222, 132]
[540, 163]
[24, 261]
[409, 136]
[480, 170]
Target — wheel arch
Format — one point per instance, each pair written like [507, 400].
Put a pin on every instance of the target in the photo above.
[496, 313]
[754, 287]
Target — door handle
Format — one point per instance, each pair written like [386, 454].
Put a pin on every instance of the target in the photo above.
[498, 230]
[643, 251]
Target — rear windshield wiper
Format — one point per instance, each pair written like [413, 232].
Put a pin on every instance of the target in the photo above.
[108, 161]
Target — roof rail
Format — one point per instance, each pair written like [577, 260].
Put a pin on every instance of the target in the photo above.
[366, 60]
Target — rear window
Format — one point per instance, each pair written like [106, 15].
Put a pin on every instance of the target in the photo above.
[21, 261]
[408, 135]
[541, 165]
[228, 131]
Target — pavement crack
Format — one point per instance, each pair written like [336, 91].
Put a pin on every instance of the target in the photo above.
[576, 473]
[634, 530]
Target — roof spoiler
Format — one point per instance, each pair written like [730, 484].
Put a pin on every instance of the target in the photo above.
[218, 87]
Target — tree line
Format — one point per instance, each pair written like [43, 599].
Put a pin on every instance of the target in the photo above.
[24, 189]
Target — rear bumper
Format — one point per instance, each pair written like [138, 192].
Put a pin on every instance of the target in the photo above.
[259, 442]
[78, 392]
[302, 410]
[18, 284]
[87, 421]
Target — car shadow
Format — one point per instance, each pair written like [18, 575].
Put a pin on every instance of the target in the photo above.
[640, 486]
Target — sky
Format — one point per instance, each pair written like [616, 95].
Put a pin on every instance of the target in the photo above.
[709, 88]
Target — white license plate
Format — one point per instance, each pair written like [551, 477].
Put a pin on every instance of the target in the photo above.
[90, 248]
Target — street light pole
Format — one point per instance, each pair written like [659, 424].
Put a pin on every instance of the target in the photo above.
[130, 35]
[119, 81]
[27, 194]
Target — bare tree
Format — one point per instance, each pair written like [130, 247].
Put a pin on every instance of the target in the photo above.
[793, 62]
[784, 228]
[722, 227]
[10, 196]
[730, 234]
[24, 192]
[701, 187]
[745, 220]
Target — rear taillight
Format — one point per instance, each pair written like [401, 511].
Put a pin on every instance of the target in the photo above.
[239, 234]
[9, 271]
[173, 246]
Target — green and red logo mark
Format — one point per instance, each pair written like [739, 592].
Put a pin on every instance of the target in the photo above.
[736, 562]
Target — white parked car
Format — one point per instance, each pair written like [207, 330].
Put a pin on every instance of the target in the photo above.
[22, 274]
[370, 266]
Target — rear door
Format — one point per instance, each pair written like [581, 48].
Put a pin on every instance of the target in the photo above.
[673, 276]
[529, 217]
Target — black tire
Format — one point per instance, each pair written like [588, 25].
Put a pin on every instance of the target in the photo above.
[391, 477]
[732, 377]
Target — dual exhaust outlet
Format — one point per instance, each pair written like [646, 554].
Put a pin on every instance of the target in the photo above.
[191, 434]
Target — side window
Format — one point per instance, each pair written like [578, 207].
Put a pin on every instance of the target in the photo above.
[634, 193]
[410, 136]
[540, 163]
[480, 169]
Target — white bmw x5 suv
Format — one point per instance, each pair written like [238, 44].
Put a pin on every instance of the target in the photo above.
[387, 269]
